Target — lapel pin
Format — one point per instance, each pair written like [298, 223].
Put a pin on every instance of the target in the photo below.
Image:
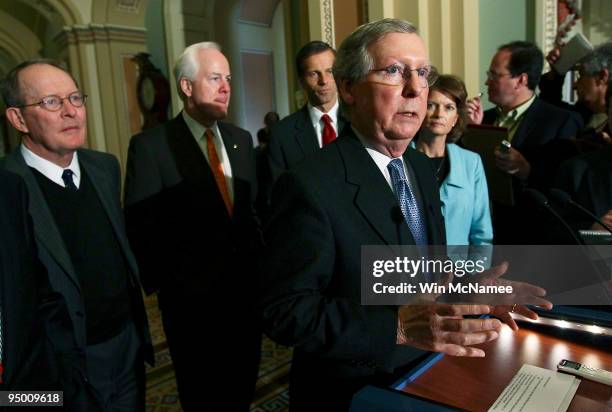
[235, 146]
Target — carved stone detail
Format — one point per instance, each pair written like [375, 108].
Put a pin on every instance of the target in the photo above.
[327, 7]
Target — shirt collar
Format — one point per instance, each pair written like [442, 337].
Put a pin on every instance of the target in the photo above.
[381, 160]
[197, 129]
[315, 114]
[49, 169]
[517, 112]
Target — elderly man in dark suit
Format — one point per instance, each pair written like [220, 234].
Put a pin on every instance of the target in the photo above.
[78, 224]
[538, 132]
[365, 188]
[318, 122]
[189, 193]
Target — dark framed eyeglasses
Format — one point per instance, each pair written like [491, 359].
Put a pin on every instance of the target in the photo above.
[398, 75]
[54, 103]
[496, 76]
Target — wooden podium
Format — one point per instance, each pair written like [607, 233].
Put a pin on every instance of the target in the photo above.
[475, 383]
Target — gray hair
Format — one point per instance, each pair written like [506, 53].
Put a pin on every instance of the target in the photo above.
[353, 61]
[600, 59]
[9, 87]
[187, 64]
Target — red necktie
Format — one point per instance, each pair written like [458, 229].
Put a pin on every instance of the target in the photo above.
[217, 170]
[329, 134]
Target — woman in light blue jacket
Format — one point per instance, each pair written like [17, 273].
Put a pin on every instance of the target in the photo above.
[463, 185]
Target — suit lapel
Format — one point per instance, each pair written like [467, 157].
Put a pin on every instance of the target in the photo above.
[426, 180]
[100, 181]
[527, 124]
[305, 134]
[12, 300]
[341, 121]
[373, 198]
[233, 149]
[189, 159]
[45, 229]
[457, 175]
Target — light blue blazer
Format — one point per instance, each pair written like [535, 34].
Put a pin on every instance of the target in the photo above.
[465, 199]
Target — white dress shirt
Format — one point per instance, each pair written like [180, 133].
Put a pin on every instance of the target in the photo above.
[50, 170]
[317, 123]
[197, 130]
[381, 160]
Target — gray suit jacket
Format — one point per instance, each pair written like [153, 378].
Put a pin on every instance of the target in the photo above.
[103, 170]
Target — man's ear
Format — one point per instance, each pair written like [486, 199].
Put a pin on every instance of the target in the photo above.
[14, 116]
[186, 86]
[345, 90]
[524, 80]
[604, 76]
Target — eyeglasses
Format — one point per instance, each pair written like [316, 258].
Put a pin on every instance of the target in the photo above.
[398, 75]
[54, 103]
[496, 76]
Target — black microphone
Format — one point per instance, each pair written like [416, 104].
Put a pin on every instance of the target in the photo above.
[541, 201]
[396, 215]
[563, 199]
[398, 218]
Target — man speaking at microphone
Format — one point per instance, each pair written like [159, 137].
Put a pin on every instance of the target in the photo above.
[344, 196]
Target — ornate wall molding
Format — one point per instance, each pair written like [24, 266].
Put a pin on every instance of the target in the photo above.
[545, 24]
[93, 33]
[128, 6]
[327, 14]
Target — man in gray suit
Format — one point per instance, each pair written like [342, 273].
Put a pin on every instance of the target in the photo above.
[79, 231]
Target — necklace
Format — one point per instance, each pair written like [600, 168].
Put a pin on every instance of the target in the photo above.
[440, 166]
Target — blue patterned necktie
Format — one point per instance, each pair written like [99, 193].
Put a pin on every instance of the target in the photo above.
[67, 178]
[407, 201]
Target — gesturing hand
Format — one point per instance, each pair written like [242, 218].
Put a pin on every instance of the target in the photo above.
[474, 111]
[442, 328]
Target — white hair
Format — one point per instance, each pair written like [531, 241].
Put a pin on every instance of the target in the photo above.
[187, 64]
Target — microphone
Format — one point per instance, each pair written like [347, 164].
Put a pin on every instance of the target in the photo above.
[563, 199]
[398, 218]
[541, 201]
[396, 215]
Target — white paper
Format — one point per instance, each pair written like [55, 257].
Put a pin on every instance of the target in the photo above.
[535, 389]
[577, 48]
[569, 396]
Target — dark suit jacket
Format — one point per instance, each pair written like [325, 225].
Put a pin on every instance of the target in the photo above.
[103, 170]
[588, 180]
[292, 139]
[29, 308]
[185, 241]
[324, 210]
[543, 139]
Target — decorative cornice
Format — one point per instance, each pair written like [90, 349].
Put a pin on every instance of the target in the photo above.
[100, 33]
[128, 6]
[550, 24]
[328, 22]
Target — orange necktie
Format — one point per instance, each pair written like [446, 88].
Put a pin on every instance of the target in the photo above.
[217, 170]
